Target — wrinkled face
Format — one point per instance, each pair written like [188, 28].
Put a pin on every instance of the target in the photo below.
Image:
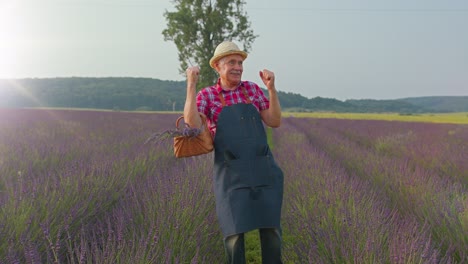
[230, 69]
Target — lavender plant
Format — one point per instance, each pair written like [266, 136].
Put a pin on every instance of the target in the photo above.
[185, 131]
[401, 180]
[79, 187]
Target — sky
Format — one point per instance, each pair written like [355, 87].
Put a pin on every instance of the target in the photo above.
[342, 49]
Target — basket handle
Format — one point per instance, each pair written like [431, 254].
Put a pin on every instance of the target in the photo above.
[202, 116]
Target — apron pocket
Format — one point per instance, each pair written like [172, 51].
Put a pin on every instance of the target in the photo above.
[238, 174]
[262, 172]
[248, 173]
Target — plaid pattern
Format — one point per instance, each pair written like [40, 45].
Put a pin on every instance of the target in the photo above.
[209, 104]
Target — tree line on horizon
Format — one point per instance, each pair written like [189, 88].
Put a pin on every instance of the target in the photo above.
[147, 94]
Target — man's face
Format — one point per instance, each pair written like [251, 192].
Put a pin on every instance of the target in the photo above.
[230, 68]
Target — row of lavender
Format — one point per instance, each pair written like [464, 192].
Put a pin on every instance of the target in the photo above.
[82, 187]
[375, 191]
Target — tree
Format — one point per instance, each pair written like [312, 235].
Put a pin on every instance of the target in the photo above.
[198, 26]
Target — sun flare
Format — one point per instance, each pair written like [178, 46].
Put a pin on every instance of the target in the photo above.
[11, 35]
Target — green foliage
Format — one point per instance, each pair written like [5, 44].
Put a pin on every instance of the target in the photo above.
[440, 103]
[269, 134]
[368, 105]
[98, 93]
[197, 27]
[253, 251]
[146, 94]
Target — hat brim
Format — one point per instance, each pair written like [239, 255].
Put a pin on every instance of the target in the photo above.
[217, 57]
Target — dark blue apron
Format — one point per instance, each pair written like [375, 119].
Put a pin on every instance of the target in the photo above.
[248, 184]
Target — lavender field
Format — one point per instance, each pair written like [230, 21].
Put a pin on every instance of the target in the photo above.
[82, 187]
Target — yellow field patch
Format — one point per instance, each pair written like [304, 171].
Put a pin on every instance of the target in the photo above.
[452, 118]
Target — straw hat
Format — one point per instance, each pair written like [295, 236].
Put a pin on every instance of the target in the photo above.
[224, 49]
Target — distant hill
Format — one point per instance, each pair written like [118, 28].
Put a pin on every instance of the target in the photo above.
[372, 106]
[100, 93]
[440, 103]
[125, 93]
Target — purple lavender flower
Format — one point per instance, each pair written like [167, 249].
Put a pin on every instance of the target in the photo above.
[186, 131]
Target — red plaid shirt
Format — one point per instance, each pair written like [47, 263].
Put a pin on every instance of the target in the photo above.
[209, 104]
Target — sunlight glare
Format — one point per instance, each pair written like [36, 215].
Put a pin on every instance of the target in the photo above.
[10, 37]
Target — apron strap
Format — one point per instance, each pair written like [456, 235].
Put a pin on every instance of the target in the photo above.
[246, 95]
[221, 98]
[223, 102]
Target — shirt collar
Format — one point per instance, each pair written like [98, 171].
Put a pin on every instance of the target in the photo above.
[220, 89]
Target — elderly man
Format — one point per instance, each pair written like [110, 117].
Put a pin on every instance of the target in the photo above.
[248, 184]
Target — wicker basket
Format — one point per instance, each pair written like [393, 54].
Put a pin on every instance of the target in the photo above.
[187, 146]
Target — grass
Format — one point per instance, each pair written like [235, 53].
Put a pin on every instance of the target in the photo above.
[252, 247]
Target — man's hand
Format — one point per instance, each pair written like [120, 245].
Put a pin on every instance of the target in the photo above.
[191, 115]
[192, 72]
[268, 79]
[272, 115]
